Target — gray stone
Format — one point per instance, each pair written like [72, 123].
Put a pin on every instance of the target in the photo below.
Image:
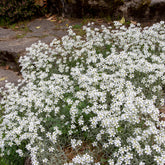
[81, 8]
[8, 75]
[36, 34]
[143, 10]
[7, 34]
[155, 2]
[59, 33]
[11, 50]
[132, 10]
[43, 28]
[47, 39]
[16, 46]
[41, 25]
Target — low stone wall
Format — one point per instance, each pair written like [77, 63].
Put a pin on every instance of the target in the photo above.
[81, 8]
[143, 10]
[139, 10]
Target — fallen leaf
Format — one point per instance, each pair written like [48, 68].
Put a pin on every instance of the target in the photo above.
[3, 78]
[54, 20]
[122, 21]
[133, 22]
[67, 25]
[50, 18]
[7, 67]
[37, 27]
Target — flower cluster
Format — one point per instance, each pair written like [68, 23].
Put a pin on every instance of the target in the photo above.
[104, 88]
[84, 160]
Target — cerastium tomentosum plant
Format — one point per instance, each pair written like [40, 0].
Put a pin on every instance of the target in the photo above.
[103, 90]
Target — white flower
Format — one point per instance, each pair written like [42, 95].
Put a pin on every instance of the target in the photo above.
[84, 128]
[19, 151]
[111, 162]
[51, 149]
[141, 163]
[147, 150]
[84, 159]
[45, 160]
[106, 85]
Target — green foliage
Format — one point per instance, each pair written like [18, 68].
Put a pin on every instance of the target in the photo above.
[77, 26]
[13, 11]
[3, 161]
[11, 157]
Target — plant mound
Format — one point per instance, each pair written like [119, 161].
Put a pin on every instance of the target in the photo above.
[91, 99]
[12, 11]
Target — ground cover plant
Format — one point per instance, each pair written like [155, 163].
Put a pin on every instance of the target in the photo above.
[90, 99]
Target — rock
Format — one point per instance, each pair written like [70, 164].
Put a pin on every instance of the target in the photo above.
[154, 2]
[157, 10]
[47, 39]
[8, 75]
[6, 34]
[138, 10]
[41, 25]
[59, 33]
[8, 59]
[16, 47]
[143, 10]
[11, 50]
[81, 8]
